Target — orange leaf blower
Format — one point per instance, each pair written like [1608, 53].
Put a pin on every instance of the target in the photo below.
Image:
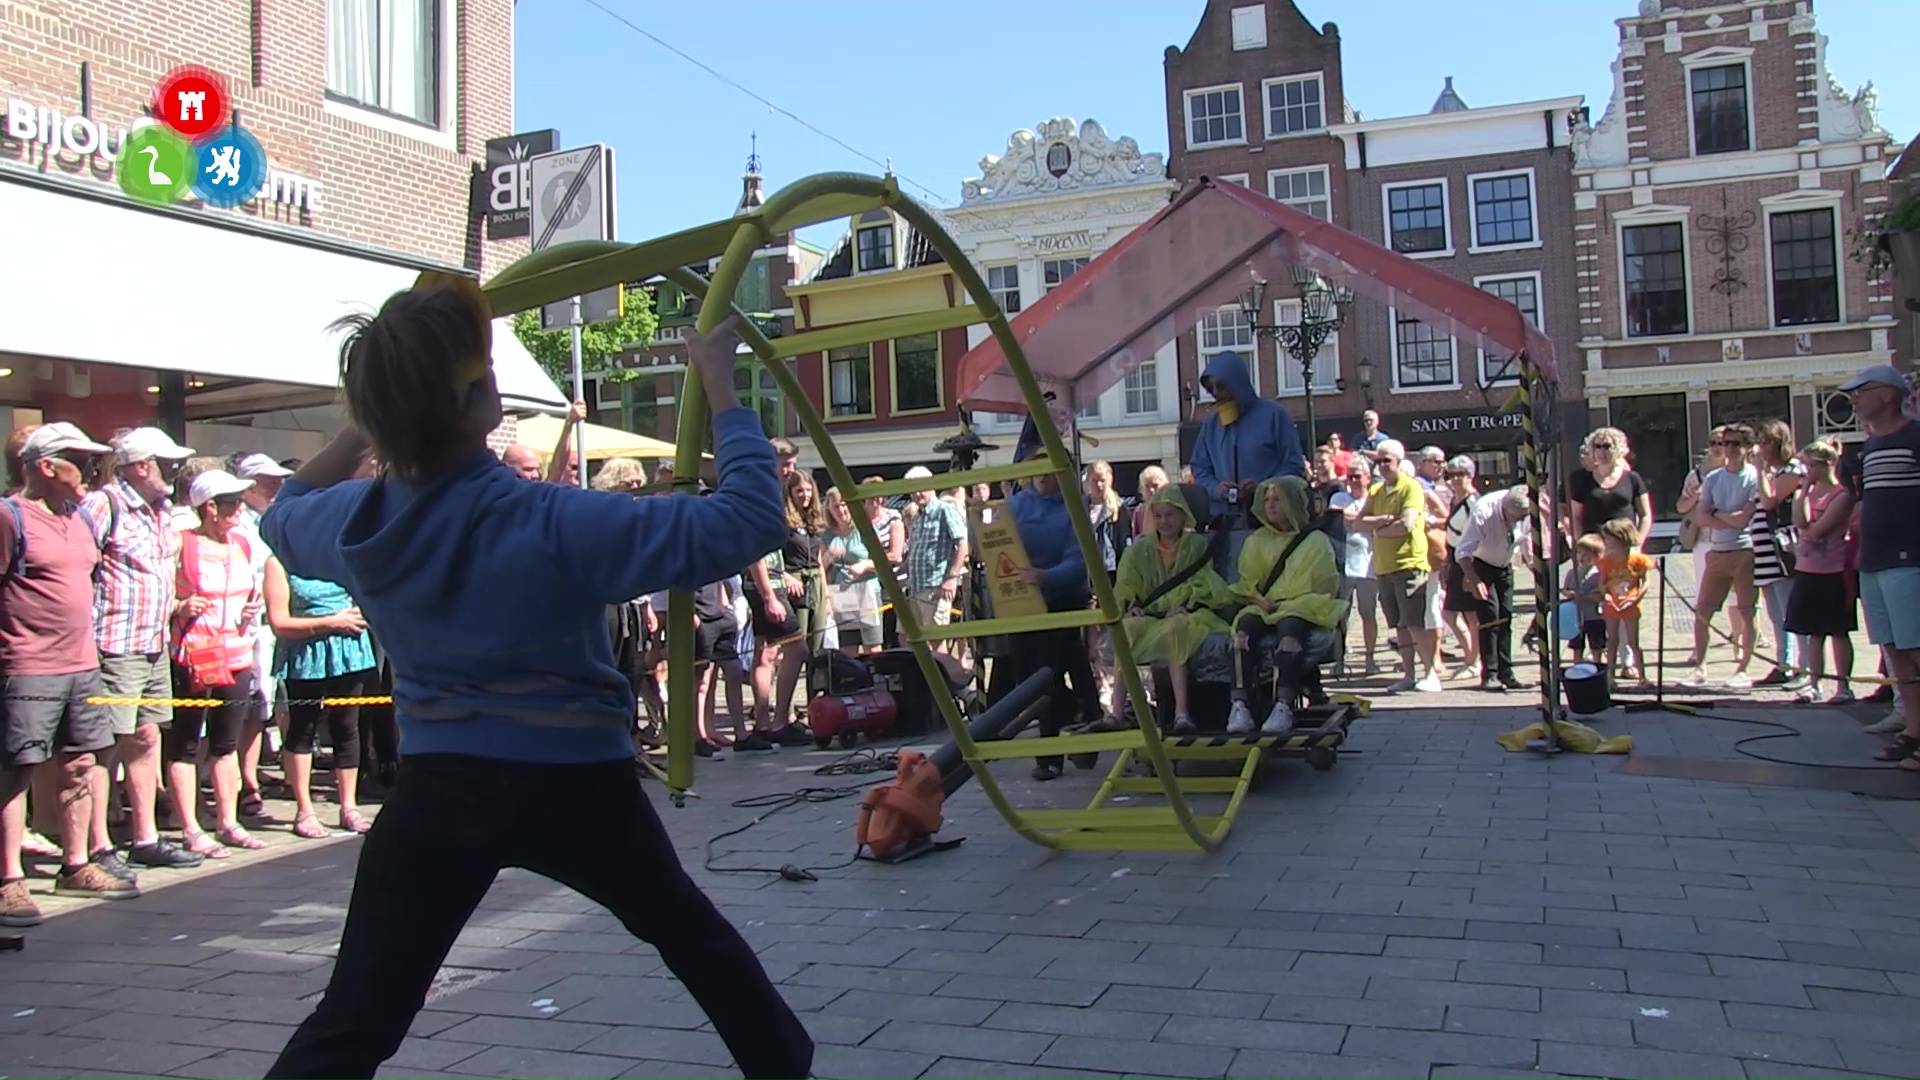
[903, 810]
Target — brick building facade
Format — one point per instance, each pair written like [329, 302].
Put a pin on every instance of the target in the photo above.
[1717, 202]
[372, 157]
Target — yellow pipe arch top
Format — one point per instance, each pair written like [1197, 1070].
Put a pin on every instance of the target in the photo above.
[574, 269]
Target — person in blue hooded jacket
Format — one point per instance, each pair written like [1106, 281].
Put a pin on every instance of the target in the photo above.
[1058, 569]
[490, 595]
[1247, 439]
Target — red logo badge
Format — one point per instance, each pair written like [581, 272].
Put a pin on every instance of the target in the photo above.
[192, 101]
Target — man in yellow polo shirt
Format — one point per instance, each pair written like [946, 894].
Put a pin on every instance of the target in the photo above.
[1396, 516]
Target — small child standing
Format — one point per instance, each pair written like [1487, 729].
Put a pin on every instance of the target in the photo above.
[1583, 587]
[1623, 573]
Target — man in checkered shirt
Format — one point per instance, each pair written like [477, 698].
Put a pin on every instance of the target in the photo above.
[936, 553]
[134, 606]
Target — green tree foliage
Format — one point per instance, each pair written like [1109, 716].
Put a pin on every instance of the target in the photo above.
[600, 344]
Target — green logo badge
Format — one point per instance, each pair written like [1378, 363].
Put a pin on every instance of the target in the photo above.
[156, 166]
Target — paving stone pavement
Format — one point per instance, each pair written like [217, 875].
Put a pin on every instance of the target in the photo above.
[1432, 907]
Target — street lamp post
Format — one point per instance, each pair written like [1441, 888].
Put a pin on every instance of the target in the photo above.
[1323, 308]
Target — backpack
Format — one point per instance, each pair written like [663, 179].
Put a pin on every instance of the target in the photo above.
[17, 567]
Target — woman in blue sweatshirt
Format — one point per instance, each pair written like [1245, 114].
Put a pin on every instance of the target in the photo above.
[490, 595]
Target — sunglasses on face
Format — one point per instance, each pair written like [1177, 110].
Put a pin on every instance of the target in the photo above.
[1733, 443]
[226, 504]
[1603, 446]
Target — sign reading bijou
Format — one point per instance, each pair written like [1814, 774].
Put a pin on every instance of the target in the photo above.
[97, 146]
[503, 192]
[1469, 422]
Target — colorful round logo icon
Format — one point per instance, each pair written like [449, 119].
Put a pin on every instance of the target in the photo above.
[231, 168]
[156, 166]
[192, 100]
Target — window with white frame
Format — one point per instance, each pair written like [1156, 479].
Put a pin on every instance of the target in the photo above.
[1302, 189]
[1719, 100]
[1055, 272]
[1295, 105]
[1423, 356]
[1806, 278]
[1243, 179]
[874, 245]
[1503, 210]
[1522, 291]
[385, 55]
[1143, 390]
[1214, 117]
[1653, 268]
[1004, 283]
[1089, 411]
[1326, 362]
[1417, 218]
[1249, 27]
[1227, 330]
[850, 381]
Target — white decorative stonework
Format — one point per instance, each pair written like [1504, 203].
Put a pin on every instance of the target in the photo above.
[1604, 143]
[1060, 157]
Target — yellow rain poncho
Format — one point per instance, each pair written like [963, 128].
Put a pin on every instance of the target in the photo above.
[1308, 588]
[1169, 638]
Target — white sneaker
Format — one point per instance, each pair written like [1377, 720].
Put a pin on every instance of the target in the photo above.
[1279, 721]
[1239, 720]
[1895, 721]
[1739, 681]
[1429, 685]
[1694, 681]
[1798, 682]
[1402, 686]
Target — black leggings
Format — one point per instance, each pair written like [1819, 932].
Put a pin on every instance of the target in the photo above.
[220, 725]
[1065, 651]
[451, 825]
[343, 721]
[1289, 665]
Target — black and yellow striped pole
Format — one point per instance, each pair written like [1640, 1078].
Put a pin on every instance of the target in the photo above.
[1535, 402]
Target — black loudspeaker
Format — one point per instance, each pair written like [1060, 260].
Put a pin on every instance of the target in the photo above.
[898, 672]
[834, 672]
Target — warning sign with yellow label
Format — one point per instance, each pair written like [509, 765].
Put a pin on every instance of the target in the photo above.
[1005, 559]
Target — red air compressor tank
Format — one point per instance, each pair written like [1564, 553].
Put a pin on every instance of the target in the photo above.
[849, 716]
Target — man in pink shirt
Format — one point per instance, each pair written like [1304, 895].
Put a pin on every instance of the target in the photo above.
[52, 666]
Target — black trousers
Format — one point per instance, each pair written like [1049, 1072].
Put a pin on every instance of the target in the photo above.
[1496, 620]
[1065, 651]
[454, 822]
[1288, 666]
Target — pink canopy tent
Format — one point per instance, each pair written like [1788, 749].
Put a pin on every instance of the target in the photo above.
[1198, 254]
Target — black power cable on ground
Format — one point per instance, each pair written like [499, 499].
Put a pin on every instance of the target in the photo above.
[1781, 731]
[860, 762]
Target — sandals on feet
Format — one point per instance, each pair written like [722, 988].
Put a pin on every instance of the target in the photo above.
[239, 837]
[1900, 749]
[206, 846]
[252, 805]
[308, 827]
[354, 821]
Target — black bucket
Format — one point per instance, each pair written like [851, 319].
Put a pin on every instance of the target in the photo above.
[1586, 688]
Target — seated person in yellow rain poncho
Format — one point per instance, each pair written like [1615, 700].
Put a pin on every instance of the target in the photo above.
[1168, 587]
[1289, 582]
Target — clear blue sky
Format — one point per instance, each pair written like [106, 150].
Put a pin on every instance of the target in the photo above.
[932, 90]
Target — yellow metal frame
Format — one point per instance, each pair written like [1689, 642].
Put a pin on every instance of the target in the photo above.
[578, 268]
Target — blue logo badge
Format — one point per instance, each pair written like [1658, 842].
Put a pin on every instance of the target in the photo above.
[231, 168]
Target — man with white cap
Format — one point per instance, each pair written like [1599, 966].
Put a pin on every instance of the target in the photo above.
[1886, 481]
[134, 605]
[936, 553]
[267, 475]
[49, 552]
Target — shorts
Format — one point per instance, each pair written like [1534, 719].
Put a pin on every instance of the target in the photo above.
[858, 627]
[1891, 599]
[140, 675]
[1363, 595]
[1460, 599]
[1404, 600]
[1821, 605]
[1725, 572]
[49, 714]
[716, 639]
[931, 607]
[1592, 635]
[765, 630]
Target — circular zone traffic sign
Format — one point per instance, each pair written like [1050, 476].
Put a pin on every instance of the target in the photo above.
[192, 100]
[576, 211]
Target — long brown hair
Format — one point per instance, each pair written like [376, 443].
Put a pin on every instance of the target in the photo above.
[814, 518]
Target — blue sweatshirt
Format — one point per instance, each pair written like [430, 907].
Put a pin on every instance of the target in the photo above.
[1264, 436]
[490, 592]
[1047, 533]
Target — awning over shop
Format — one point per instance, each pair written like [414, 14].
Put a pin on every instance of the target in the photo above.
[94, 282]
[541, 433]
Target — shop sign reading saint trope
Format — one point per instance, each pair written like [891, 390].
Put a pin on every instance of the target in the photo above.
[99, 148]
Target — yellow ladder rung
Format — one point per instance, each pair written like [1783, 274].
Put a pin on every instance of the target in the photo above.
[1020, 624]
[1188, 785]
[1174, 839]
[1105, 818]
[993, 474]
[860, 333]
[1049, 745]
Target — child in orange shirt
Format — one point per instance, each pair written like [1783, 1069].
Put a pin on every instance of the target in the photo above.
[1623, 576]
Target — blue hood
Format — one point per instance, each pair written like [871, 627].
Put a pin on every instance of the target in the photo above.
[1046, 531]
[1261, 444]
[490, 592]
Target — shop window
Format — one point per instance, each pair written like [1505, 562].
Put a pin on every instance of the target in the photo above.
[1294, 106]
[850, 381]
[385, 55]
[1214, 117]
[1004, 283]
[1719, 109]
[1227, 330]
[1806, 280]
[916, 373]
[874, 245]
[1653, 261]
[1417, 218]
[1503, 210]
[1143, 390]
[1424, 359]
[1657, 427]
[1749, 405]
[1302, 189]
[1055, 272]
